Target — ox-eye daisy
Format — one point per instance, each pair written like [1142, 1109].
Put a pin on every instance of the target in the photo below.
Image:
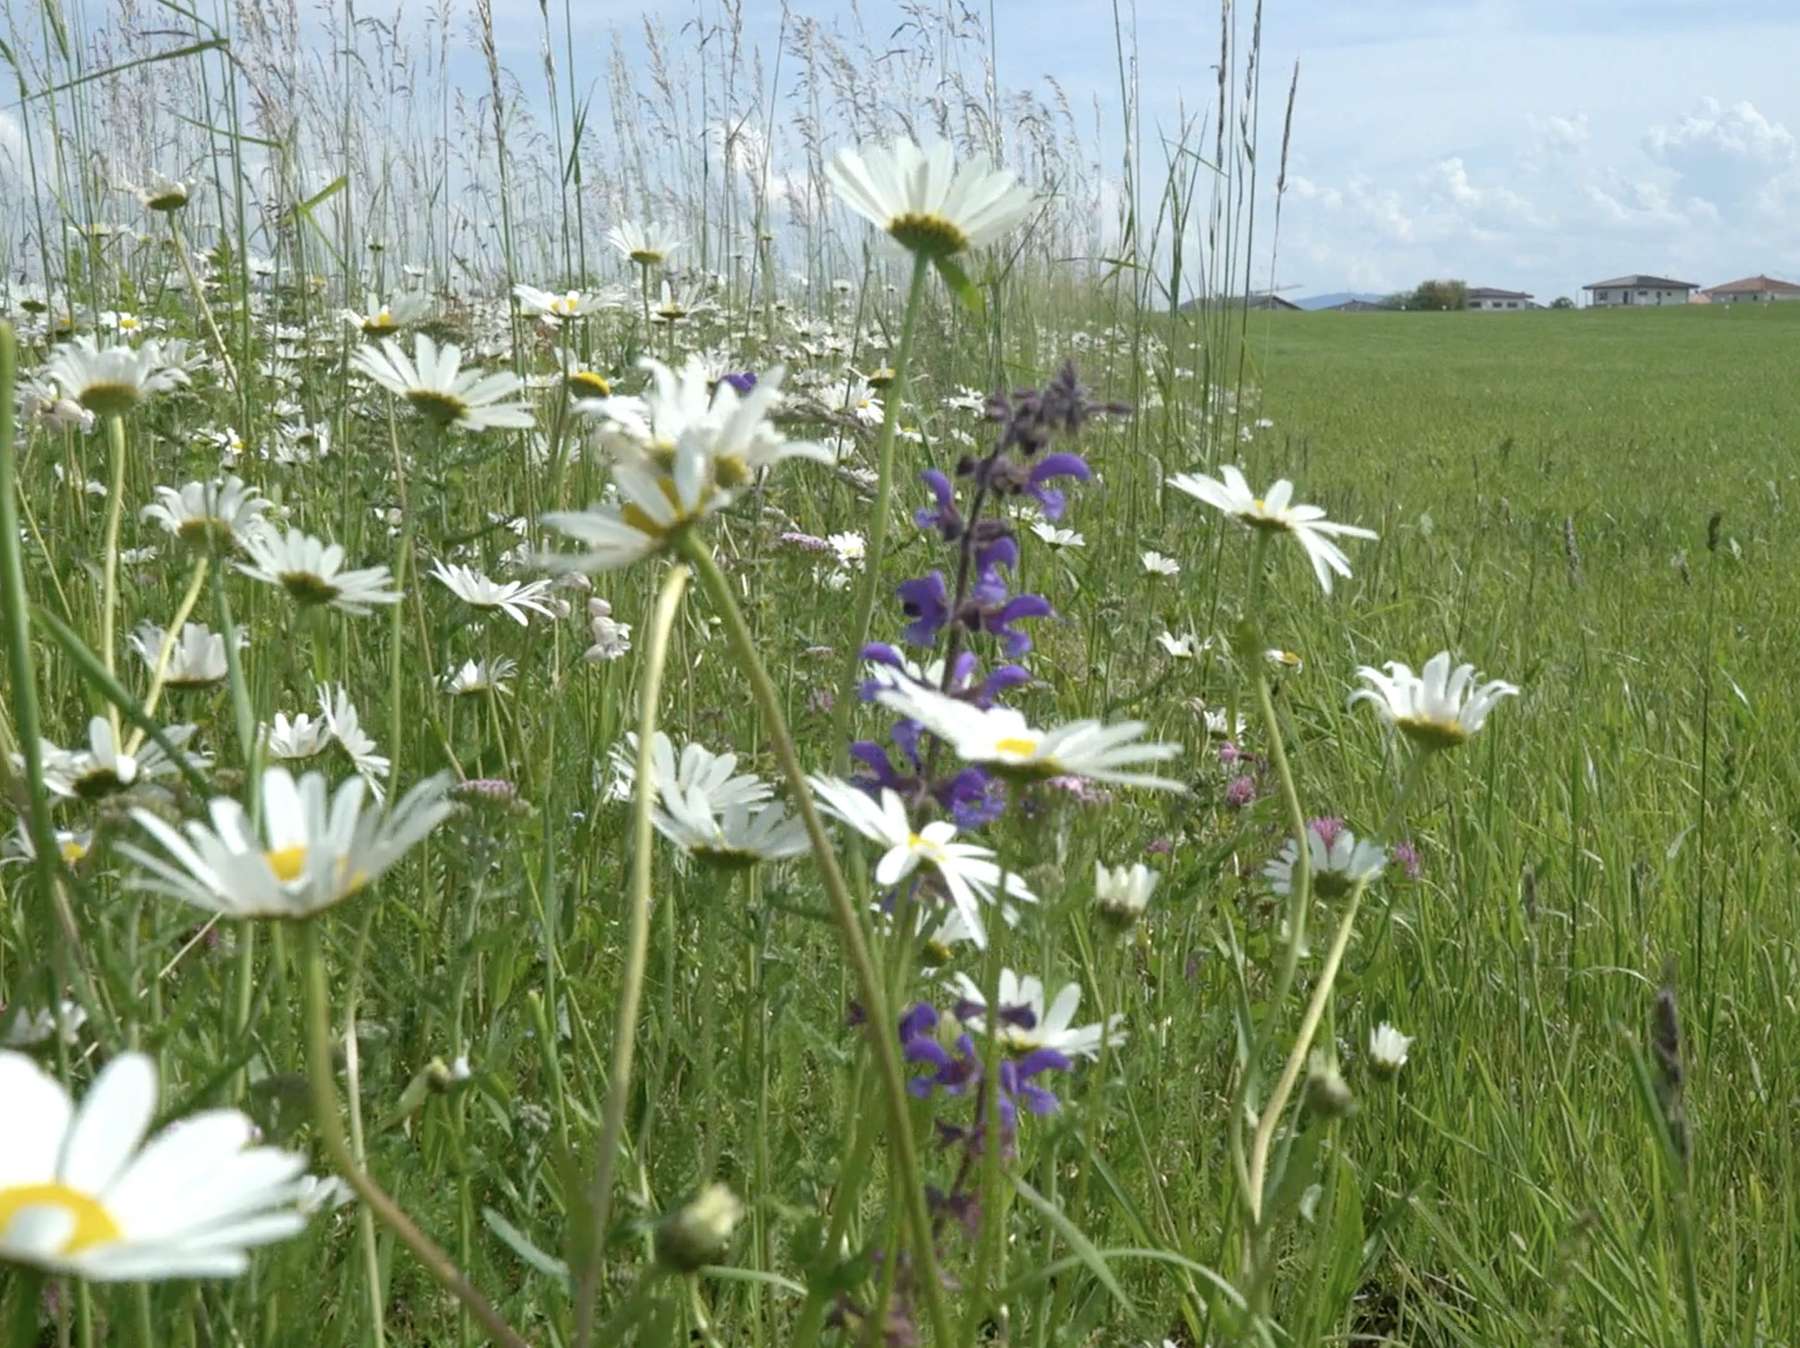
[1002, 738]
[511, 597]
[646, 245]
[1275, 513]
[315, 849]
[219, 514]
[924, 202]
[1436, 708]
[695, 768]
[441, 393]
[112, 380]
[384, 320]
[312, 571]
[82, 1193]
[737, 835]
[197, 657]
[553, 308]
[105, 766]
[1027, 1025]
[1339, 860]
[968, 871]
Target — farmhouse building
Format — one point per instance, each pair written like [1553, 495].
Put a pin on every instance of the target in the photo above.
[1753, 290]
[1623, 290]
[1490, 300]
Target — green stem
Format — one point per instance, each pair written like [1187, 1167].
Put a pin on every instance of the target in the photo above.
[637, 953]
[878, 525]
[331, 1133]
[115, 505]
[881, 1030]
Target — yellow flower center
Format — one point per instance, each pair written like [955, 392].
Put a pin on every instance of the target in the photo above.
[1019, 748]
[307, 588]
[73, 850]
[928, 233]
[288, 863]
[646, 257]
[435, 406]
[109, 399]
[588, 383]
[92, 1223]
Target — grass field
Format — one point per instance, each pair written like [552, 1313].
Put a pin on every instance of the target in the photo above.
[532, 1029]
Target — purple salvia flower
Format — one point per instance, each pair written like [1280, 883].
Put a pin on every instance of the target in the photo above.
[944, 518]
[927, 602]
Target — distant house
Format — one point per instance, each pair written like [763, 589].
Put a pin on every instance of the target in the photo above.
[1269, 301]
[1623, 290]
[1358, 307]
[1753, 290]
[1258, 301]
[1490, 300]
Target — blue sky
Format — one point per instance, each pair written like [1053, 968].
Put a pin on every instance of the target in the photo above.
[1530, 144]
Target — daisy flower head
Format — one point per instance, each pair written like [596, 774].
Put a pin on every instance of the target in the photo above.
[481, 676]
[1054, 537]
[344, 724]
[315, 848]
[924, 201]
[1437, 708]
[439, 390]
[384, 320]
[554, 308]
[1276, 513]
[293, 740]
[83, 1194]
[162, 194]
[1387, 1049]
[312, 571]
[696, 768]
[1123, 893]
[218, 514]
[1027, 1025]
[111, 380]
[1340, 860]
[646, 245]
[969, 873]
[513, 597]
[582, 381]
[104, 767]
[196, 657]
[732, 838]
[1002, 739]
[1156, 564]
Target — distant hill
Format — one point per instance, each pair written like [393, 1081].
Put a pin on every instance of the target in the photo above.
[1339, 297]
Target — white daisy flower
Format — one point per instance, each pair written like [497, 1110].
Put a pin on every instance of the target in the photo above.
[1387, 1049]
[647, 245]
[1055, 537]
[112, 380]
[1002, 738]
[1028, 1025]
[441, 393]
[968, 871]
[298, 739]
[315, 850]
[1187, 646]
[1436, 708]
[480, 676]
[72, 845]
[27, 1029]
[384, 320]
[83, 1194]
[582, 381]
[345, 726]
[553, 308]
[1275, 514]
[696, 768]
[612, 639]
[104, 767]
[1340, 861]
[858, 401]
[512, 597]
[736, 836]
[163, 194]
[311, 571]
[221, 513]
[197, 658]
[849, 549]
[924, 202]
[1123, 894]
[1158, 565]
[679, 303]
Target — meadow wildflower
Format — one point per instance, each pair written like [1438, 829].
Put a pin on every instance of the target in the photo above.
[1340, 861]
[111, 380]
[219, 514]
[314, 850]
[1436, 708]
[514, 598]
[312, 571]
[924, 201]
[1275, 513]
[1387, 1049]
[1026, 1024]
[1121, 894]
[83, 1194]
[646, 245]
[439, 390]
[196, 658]
[384, 320]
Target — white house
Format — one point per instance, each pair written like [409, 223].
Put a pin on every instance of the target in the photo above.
[1753, 290]
[1489, 300]
[1639, 290]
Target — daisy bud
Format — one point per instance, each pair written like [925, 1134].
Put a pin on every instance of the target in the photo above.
[1387, 1050]
[1327, 1093]
[697, 1233]
[1121, 895]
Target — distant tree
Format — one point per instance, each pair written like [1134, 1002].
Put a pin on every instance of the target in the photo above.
[1562, 302]
[1446, 294]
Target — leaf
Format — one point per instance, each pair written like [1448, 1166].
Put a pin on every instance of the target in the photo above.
[325, 193]
[960, 285]
[194, 49]
[520, 1244]
[1084, 1248]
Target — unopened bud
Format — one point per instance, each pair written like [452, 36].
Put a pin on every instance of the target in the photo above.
[1327, 1093]
[696, 1234]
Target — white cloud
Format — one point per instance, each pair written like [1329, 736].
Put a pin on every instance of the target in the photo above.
[12, 148]
[1729, 156]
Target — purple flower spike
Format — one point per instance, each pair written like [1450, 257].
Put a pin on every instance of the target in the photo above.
[1000, 623]
[945, 518]
[741, 380]
[1055, 465]
[927, 602]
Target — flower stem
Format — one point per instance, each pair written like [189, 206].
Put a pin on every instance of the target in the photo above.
[878, 525]
[115, 505]
[881, 1030]
[160, 673]
[331, 1133]
[637, 952]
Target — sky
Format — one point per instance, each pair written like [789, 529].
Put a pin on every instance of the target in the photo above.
[1534, 145]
